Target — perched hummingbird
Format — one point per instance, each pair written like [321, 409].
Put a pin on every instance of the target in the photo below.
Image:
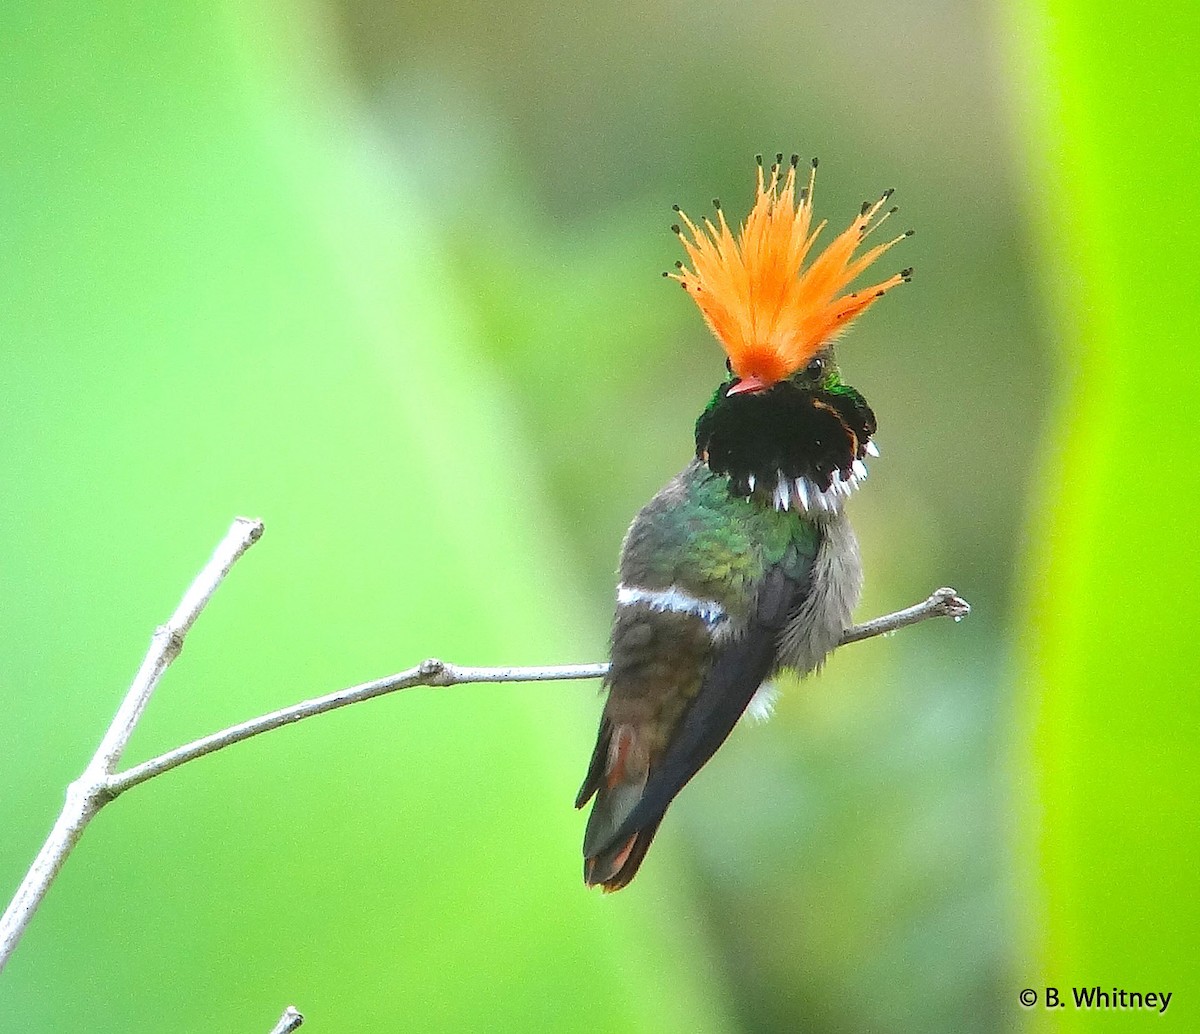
[744, 565]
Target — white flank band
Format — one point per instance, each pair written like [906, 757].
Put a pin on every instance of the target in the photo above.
[673, 599]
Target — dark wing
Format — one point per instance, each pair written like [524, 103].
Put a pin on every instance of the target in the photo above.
[633, 788]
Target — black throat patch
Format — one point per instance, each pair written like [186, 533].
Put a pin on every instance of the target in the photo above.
[801, 432]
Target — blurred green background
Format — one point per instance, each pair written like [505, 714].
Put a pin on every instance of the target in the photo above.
[388, 277]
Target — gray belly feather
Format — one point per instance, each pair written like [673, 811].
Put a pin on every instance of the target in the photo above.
[817, 626]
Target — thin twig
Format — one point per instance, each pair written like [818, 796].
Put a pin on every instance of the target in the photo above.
[288, 1022]
[427, 673]
[943, 603]
[90, 792]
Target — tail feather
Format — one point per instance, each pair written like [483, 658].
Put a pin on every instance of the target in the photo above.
[617, 778]
[595, 772]
[613, 868]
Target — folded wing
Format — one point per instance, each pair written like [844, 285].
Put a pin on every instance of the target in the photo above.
[675, 695]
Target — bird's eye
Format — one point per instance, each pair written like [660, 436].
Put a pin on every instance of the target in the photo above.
[729, 365]
[815, 368]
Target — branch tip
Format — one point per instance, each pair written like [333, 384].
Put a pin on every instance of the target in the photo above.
[253, 527]
[943, 602]
[291, 1019]
[950, 603]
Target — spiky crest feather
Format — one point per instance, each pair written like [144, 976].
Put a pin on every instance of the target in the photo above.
[770, 313]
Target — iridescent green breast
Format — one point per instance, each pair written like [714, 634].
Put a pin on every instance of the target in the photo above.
[699, 538]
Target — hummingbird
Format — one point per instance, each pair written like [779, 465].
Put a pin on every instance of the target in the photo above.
[744, 565]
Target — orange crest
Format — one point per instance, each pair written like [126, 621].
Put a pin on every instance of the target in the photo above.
[770, 312]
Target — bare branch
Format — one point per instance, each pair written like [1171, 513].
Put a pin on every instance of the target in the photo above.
[428, 673]
[288, 1022]
[168, 639]
[100, 784]
[943, 603]
[90, 792]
